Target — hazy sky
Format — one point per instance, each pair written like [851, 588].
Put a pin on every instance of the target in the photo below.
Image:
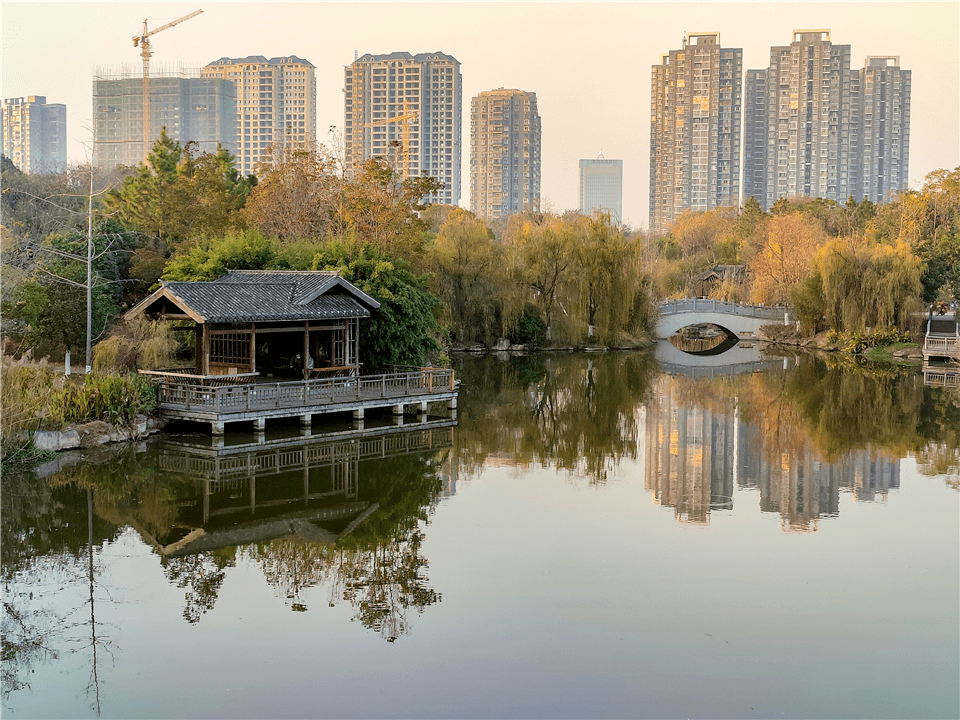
[588, 63]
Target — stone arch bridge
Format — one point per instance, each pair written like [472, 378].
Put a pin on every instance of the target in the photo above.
[737, 319]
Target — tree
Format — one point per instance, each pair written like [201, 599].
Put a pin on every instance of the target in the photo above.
[868, 285]
[468, 271]
[298, 197]
[785, 256]
[179, 194]
[608, 277]
[700, 233]
[402, 332]
[381, 208]
[209, 259]
[544, 261]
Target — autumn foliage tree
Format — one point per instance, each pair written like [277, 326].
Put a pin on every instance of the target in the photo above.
[784, 256]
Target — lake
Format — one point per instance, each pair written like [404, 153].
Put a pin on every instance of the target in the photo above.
[595, 535]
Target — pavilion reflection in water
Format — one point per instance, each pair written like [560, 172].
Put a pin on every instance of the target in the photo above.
[300, 486]
[695, 457]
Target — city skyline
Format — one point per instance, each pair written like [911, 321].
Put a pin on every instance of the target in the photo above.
[583, 105]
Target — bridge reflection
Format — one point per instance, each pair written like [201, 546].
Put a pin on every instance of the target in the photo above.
[743, 357]
[699, 451]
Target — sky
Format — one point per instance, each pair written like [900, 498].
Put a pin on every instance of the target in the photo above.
[588, 62]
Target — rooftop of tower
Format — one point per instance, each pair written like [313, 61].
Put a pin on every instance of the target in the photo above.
[261, 60]
[419, 57]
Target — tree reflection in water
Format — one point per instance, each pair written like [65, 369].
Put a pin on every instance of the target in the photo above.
[374, 563]
[52, 538]
[574, 413]
[378, 568]
[800, 434]
[202, 576]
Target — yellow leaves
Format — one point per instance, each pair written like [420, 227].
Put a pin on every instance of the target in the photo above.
[786, 256]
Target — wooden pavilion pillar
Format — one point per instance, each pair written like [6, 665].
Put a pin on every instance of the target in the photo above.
[198, 348]
[253, 347]
[205, 368]
[306, 349]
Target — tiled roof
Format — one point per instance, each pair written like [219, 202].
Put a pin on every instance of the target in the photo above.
[261, 60]
[264, 296]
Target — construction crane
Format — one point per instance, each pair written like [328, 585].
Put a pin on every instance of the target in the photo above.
[405, 136]
[143, 42]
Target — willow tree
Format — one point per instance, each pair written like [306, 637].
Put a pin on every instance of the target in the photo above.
[544, 262]
[469, 274]
[608, 279]
[868, 285]
[928, 220]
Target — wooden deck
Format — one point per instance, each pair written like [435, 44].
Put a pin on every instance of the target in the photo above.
[941, 352]
[943, 346]
[257, 401]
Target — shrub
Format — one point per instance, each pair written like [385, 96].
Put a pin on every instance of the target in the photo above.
[531, 330]
[859, 341]
[137, 344]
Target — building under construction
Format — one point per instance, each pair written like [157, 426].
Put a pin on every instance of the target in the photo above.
[190, 107]
[406, 109]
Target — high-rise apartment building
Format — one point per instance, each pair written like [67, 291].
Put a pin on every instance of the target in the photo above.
[34, 134]
[695, 129]
[755, 135]
[276, 104]
[504, 153]
[601, 187]
[198, 109]
[884, 151]
[406, 109]
[803, 112]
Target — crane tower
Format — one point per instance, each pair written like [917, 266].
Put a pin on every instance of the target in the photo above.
[143, 42]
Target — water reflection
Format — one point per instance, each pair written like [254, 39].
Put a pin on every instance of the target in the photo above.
[799, 429]
[345, 521]
[345, 513]
[697, 453]
[579, 414]
[51, 585]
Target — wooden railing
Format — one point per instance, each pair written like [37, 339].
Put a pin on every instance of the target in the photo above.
[944, 345]
[304, 393]
[227, 469]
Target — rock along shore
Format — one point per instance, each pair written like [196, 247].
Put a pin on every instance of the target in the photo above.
[95, 433]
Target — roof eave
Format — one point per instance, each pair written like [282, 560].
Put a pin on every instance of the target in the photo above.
[164, 292]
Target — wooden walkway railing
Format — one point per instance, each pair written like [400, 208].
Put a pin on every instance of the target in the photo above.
[941, 345]
[241, 398]
[265, 461]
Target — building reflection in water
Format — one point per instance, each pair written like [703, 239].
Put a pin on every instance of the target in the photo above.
[696, 455]
[298, 486]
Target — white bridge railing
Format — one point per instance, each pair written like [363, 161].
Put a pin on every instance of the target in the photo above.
[697, 305]
[304, 393]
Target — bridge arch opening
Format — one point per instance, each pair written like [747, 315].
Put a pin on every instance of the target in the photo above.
[704, 339]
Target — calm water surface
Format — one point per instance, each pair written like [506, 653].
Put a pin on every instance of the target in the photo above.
[594, 537]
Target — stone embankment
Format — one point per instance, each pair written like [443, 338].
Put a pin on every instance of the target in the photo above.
[790, 336]
[94, 433]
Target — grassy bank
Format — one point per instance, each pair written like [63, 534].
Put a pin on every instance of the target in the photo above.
[34, 397]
